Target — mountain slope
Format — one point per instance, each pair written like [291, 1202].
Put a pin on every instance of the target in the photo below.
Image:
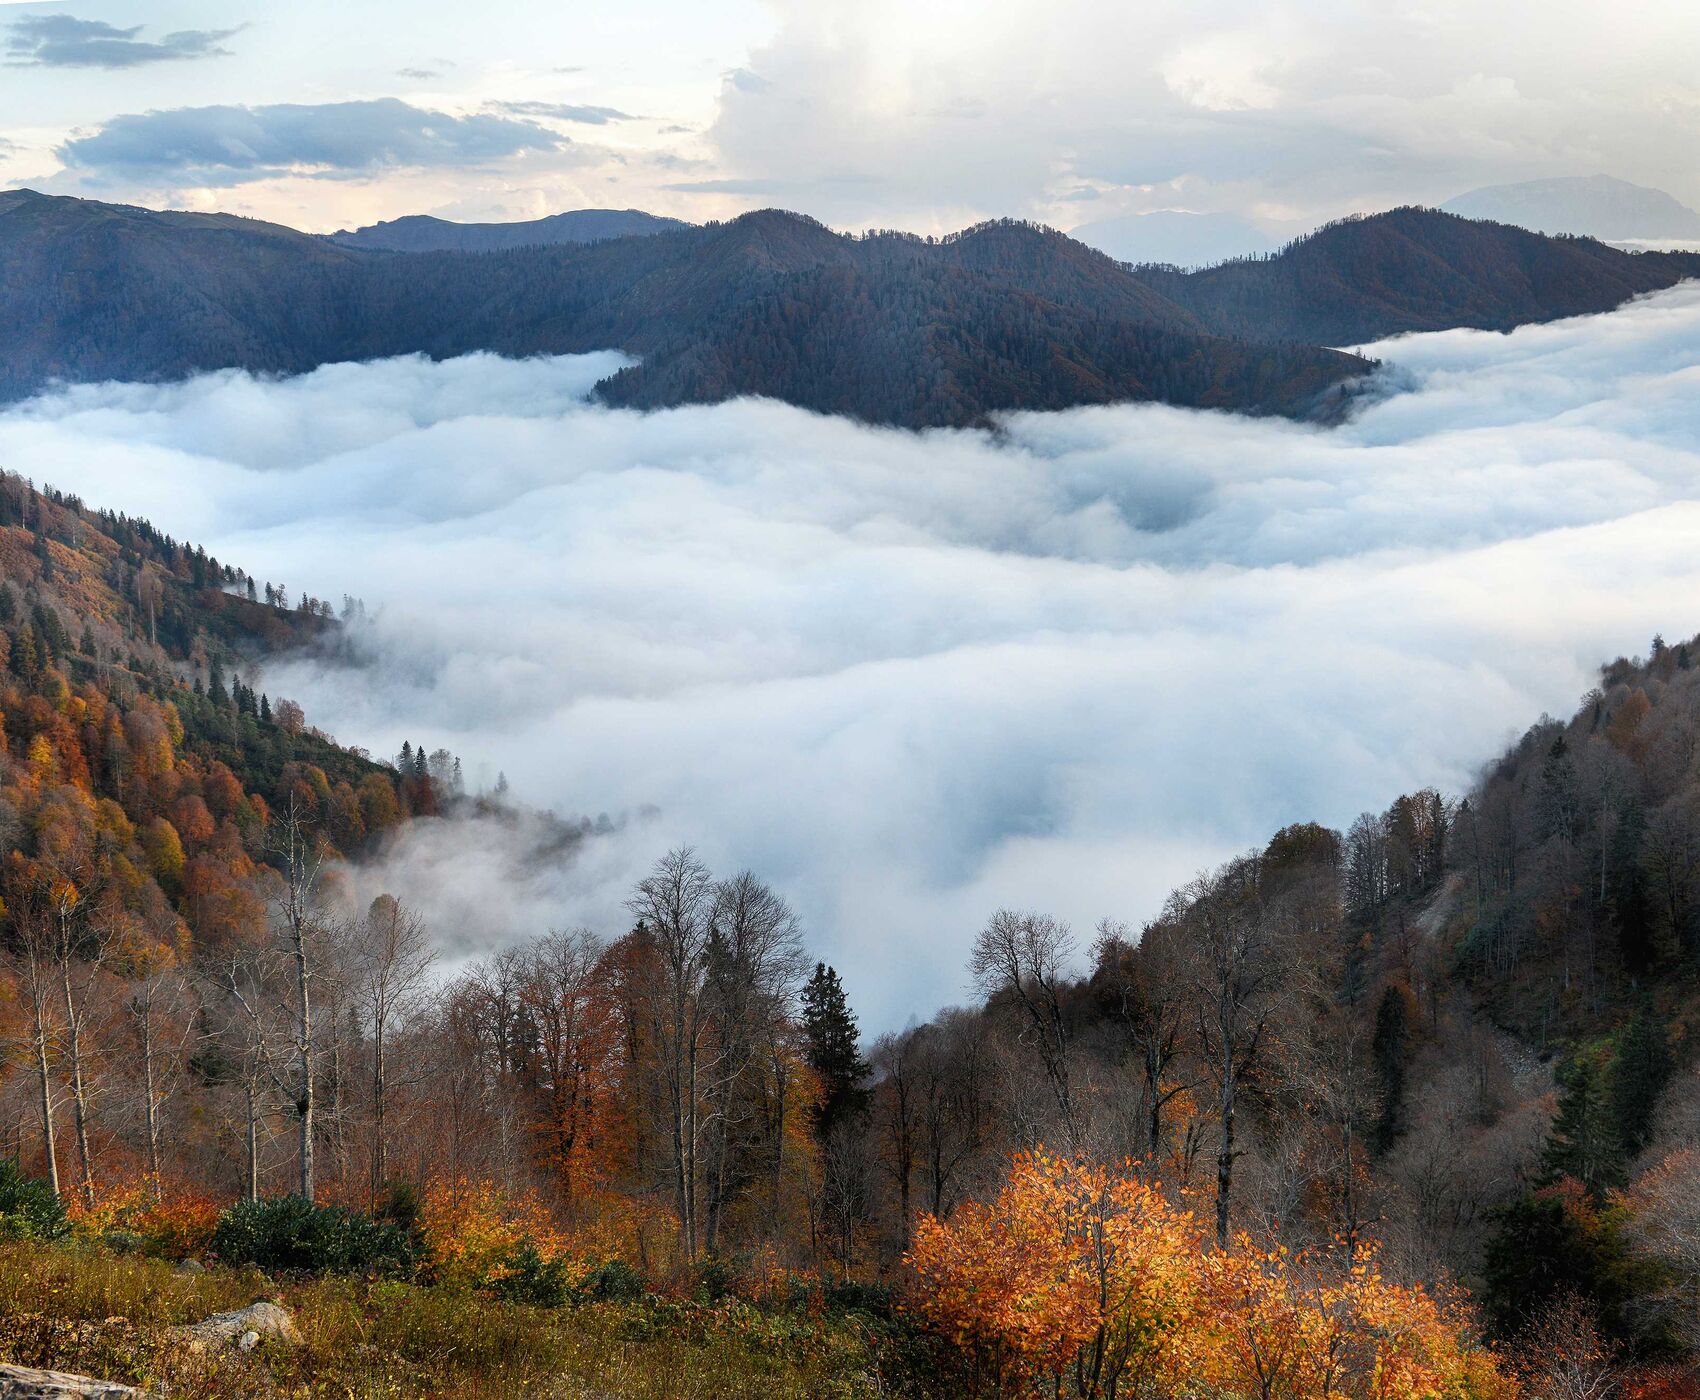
[422, 233]
[1592, 206]
[1415, 270]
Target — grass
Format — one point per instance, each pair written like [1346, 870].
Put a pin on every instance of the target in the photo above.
[78, 1308]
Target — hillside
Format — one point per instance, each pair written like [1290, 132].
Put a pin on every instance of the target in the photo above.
[1456, 1041]
[422, 233]
[137, 764]
[1415, 270]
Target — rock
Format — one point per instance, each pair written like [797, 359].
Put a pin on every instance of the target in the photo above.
[22, 1383]
[190, 1266]
[261, 1321]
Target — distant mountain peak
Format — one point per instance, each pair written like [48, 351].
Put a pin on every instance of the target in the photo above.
[1597, 206]
[426, 233]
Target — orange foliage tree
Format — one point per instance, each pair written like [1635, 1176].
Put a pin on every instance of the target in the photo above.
[1078, 1280]
[1072, 1274]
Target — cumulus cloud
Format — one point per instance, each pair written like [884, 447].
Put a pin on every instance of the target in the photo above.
[908, 678]
[234, 145]
[63, 41]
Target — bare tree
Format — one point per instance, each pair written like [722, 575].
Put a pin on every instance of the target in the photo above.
[32, 958]
[1147, 997]
[80, 941]
[1022, 959]
[247, 1027]
[674, 903]
[753, 966]
[392, 967]
[1234, 943]
[301, 929]
[897, 1100]
[161, 1011]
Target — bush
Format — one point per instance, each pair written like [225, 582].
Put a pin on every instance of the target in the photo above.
[530, 1278]
[613, 1282]
[28, 1208]
[713, 1279]
[287, 1234]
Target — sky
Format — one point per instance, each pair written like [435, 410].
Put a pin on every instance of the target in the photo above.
[865, 113]
[911, 678]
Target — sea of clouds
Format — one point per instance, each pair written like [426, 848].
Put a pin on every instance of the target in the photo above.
[910, 678]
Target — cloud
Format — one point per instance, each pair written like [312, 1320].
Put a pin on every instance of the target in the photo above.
[1292, 110]
[909, 678]
[233, 145]
[62, 41]
[420, 74]
[565, 112]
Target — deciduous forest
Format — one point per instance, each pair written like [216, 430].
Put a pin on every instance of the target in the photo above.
[1403, 1110]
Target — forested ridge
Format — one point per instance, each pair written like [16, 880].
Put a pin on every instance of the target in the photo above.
[421, 233]
[1340, 1114]
[887, 327]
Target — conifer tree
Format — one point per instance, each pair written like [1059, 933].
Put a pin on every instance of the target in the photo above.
[834, 1049]
[1639, 1074]
[1584, 1142]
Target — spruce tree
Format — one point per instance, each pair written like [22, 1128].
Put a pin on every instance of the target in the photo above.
[1639, 1075]
[834, 1050]
[1584, 1141]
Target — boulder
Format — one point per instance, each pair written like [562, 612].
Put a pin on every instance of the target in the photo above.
[245, 1328]
[24, 1383]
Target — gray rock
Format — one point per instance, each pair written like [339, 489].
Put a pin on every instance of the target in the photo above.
[262, 1321]
[23, 1383]
[190, 1266]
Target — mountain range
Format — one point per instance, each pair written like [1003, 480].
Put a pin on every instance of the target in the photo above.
[888, 328]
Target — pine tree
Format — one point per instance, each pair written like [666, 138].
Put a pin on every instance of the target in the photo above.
[265, 708]
[1584, 1141]
[215, 686]
[834, 1050]
[1639, 1075]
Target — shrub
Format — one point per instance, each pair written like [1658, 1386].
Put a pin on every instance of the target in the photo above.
[527, 1277]
[613, 1282]
[289, 1234]
[142, 1217]
[478, 1236]
[28, 1208]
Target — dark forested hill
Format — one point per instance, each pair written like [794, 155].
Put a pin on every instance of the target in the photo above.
[421, 233]
[892, 329]
[889, 328]
[1415, 270]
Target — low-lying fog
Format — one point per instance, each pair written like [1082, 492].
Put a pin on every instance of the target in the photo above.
[910, 678]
